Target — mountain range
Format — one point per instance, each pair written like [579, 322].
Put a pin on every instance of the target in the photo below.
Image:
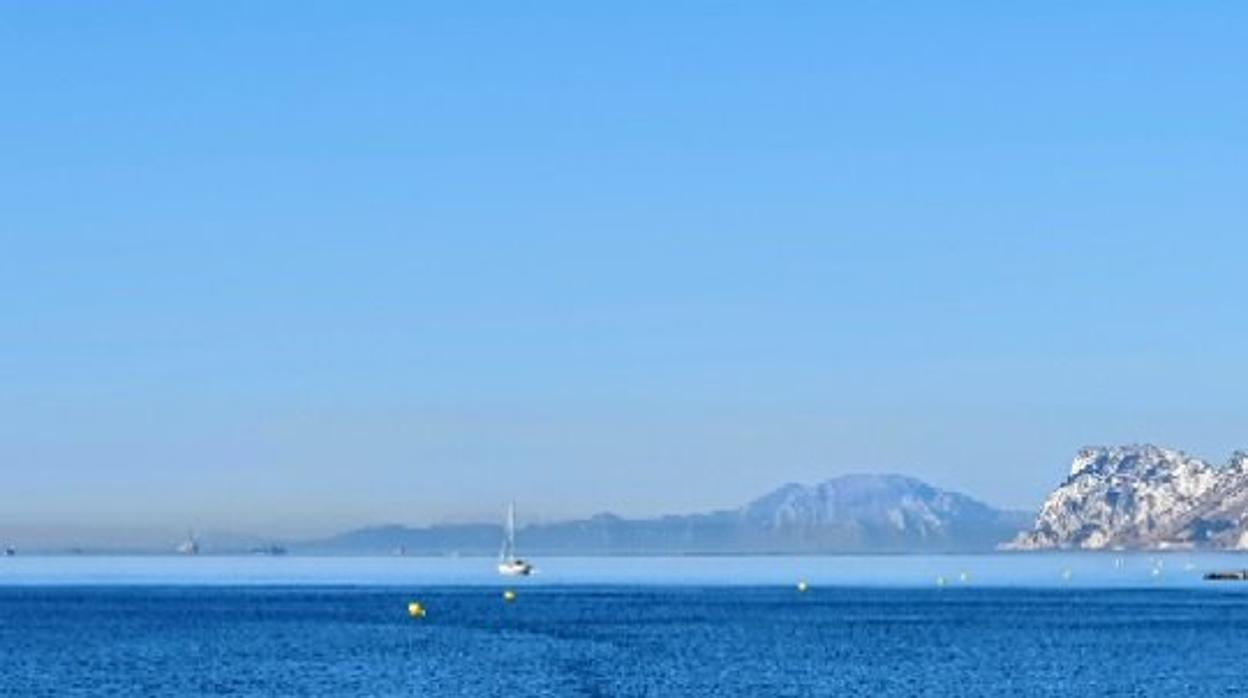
[849, 514]
[1132, 497]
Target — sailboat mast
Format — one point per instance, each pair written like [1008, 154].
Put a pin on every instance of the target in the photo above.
[509, 535]
[511, 524]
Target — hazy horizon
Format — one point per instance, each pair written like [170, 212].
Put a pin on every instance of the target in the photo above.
[97, 535]
[287, 269]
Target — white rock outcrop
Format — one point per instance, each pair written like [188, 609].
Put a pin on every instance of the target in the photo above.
[1144, 496]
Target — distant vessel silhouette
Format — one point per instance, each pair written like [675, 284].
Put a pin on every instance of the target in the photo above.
[1227, 576]
[190, 546]
[508, 563]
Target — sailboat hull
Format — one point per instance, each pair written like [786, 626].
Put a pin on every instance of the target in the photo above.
[515, 568]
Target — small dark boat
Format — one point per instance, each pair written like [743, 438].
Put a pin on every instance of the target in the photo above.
[1227, 576]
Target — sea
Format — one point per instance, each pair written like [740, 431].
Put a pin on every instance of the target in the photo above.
[988, 625]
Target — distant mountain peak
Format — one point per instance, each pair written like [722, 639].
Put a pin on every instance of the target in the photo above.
[884, 510]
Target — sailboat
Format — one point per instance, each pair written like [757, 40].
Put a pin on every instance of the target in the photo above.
[190, 546]
[508, 564]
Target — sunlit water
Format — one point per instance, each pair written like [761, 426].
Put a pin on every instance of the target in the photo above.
[1050, 625]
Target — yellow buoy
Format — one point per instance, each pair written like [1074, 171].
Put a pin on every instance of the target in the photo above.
[509, 596]
[415, 610]
[802, 586]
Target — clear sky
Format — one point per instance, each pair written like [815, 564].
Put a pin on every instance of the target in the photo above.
[287, 267]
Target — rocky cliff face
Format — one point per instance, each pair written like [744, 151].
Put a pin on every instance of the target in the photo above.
[1144, 496]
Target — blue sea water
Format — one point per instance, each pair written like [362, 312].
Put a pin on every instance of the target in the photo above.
[174, 633]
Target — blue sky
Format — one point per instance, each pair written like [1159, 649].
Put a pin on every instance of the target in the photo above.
[288, 267]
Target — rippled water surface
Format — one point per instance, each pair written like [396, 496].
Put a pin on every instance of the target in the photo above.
[627, 641]
[68, 628]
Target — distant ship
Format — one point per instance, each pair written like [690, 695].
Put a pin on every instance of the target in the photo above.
[271, 550]
[190, 546]
[508, 564]
[10, 551]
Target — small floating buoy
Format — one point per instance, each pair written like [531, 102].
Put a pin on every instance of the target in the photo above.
[964, 577]
[802, 586]
[509, 596]
[940, 581]
[1066, 574]
[415, 610]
